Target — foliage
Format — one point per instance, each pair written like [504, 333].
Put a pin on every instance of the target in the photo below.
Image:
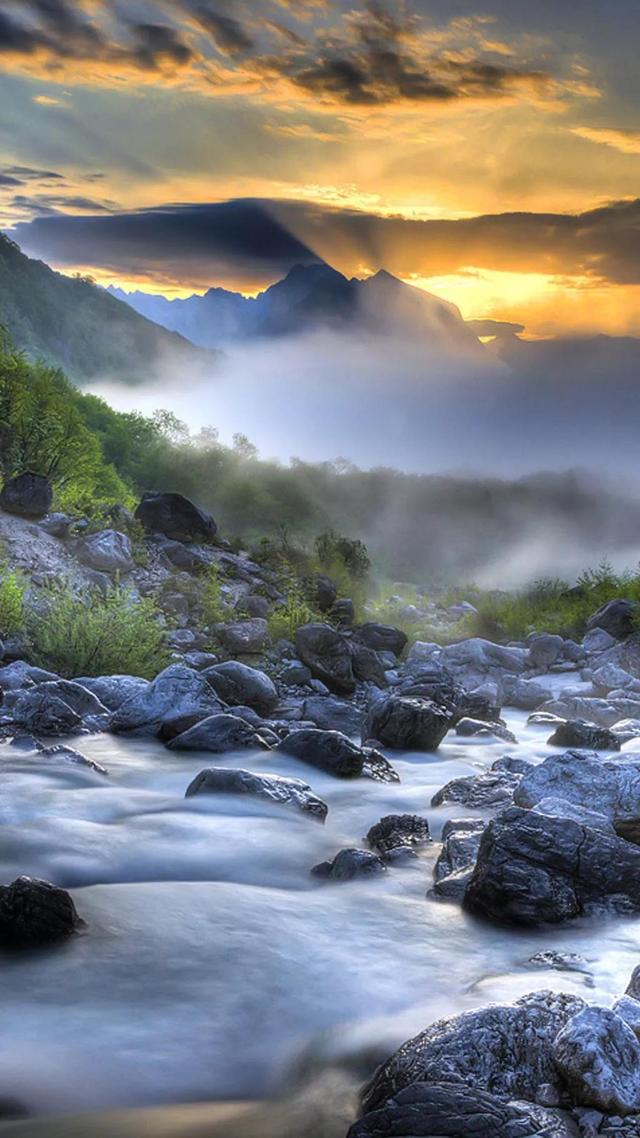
[74, 635]
[351, 552]
[213, 608]
[286, 619]
[12, 591]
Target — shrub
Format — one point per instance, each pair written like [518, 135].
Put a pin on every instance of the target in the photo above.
[12, 590]
[289, 617]
[213, 608]
[97, 635]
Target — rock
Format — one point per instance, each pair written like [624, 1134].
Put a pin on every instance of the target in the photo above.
[326, 652]
[218, 733]
[472, 661]
[585, 780]
[176, 692]
[560, 808]
[477, 704]
[348, 864]
[603, 712]
[619, 618]
[333, 714]
[577, 733]
[107, 552]
[344, 613]
[611, 676]
[472, 728]
[628, 1009]
[545, 650]
[24, 704]
[527, 695]
[503, 1048]
[479, 791]
[597, 641]
[453, 869]
[187, 559]
[35, 913]
[559, 961]
[113, 691]
[28, 495]
[534, 869]
[421, 653]
[244, 637]
[176, 517]
[396, 831]
[321, 591]
[598, 1056]
[236, 683]
[286, 791]
[22, 675]
[255, 605]
[381, 637]
[57, 525]
[43, 713]
[434, 682]
[336, 754]
[403, 723]
[367, 665]
[452, 1110]
[295, 674]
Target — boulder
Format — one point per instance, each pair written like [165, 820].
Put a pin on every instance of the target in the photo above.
[244, 637]
[598, 1056]
[453, 869]
[326, 652]
[611, 676]
[57, 525]
[398, 831]
[474, 728]
[577, 733]
[19, 674]
[527, 695]
[35, 913]
[348, 864]
[333, 714]
[472, 661]
[628, 1009]
[506, 1049]
[336, 754]
[367, 665]
[321, 591]
[597, 641]
[236, 684]
[218, 733]
[408, 724]
[28, 495]
[545, 650]
[381, 637]
[584, 779]
[176, 517]
[534, 869]
[254, 605]
[44, 713]
[560, 808]
[107, 551]
[619, 618]
[282, 791]
[344, 612]
[34, 707]
[113, 691]
[186, 558]
[490, 789]
[452, 1110]
[175, 693]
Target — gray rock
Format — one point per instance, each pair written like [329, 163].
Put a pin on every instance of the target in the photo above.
[113, 691]
[577, 733]
[449, 1110]
[336, 754]
[560, 808]
[381, 637]
[598, 1056]
[255, 605]
[108, 552]
[176, 693]
[236, 683]
[527, 695]
[545, 650]
[59, 753]
[628, 1009]
[244, 637]
[619, 618]
[57, 525]
[326, 652]
[348, 864]
[597, 641]
[333, 714]
[585, 780]
[396, 831]
[28, 495]
[490, 789]
[460, 845]
[282, 791]
[404, 723]
[187, 558]
[35, 913]
[218, 733]
[22, 675]
[506, 1049]
[611, 676]
[176, 517]
[474, 728]
[44, 713]
[295, 674]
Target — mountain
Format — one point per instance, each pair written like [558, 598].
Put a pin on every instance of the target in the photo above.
[310, 298]
[73, 324]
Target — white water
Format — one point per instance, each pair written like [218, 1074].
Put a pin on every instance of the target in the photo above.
[211, 960]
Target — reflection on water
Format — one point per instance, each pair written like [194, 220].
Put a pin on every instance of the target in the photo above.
[211, 961]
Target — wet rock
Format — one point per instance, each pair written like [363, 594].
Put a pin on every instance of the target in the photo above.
[22, 675]
[533, 869]
[433, 682]
[59, 753]
[453, 869]
[597, 641]
[27, 706]
[545, 650]
[348, 864]
[113, 691]
[381, 637]
[585, 780]
[451, 1110]
[45, 714]
[598, 1056]
[405, 723]
[282, 791]
[336, 754]
[176, 692]
[527, 695]
[559, 961]
[236, 683]
[611, 676]
[479, 791]
[176, 517]
[619, 618]
[628, 1009]
[473, 728]
[244, 637]
[326, 652]
[28, 495]
[367, 665]
[398, 831]
[560, 808]
[577, 733]
[218, 733]
[473, 661]
[333, 714]
[107, 552]
[35, 913]
[503, 1048]
[295, 674]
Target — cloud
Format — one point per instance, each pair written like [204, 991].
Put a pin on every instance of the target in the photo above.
[229, 35]
[253, 242]
[626, 141]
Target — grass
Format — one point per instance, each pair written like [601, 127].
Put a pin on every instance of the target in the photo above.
[12, 592]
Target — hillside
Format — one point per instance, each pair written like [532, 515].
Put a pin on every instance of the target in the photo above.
[73, 324]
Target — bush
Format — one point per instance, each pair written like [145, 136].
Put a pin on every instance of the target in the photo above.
[213, 609]
[97, 635]
[289, 617]
[12, 590]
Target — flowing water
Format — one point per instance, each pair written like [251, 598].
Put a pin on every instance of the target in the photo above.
[211, 961]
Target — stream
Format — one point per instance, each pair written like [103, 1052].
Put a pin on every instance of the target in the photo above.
[212, 963]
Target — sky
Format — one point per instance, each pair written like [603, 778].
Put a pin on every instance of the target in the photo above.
[488, 151]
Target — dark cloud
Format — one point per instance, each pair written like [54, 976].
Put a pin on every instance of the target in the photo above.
[156, 43]
[230, 36]
[8, 180]
[256, 241]
[28, 174]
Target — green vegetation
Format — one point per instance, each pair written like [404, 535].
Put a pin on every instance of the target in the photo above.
[12, 591]
[107, 634]
[213, 609]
